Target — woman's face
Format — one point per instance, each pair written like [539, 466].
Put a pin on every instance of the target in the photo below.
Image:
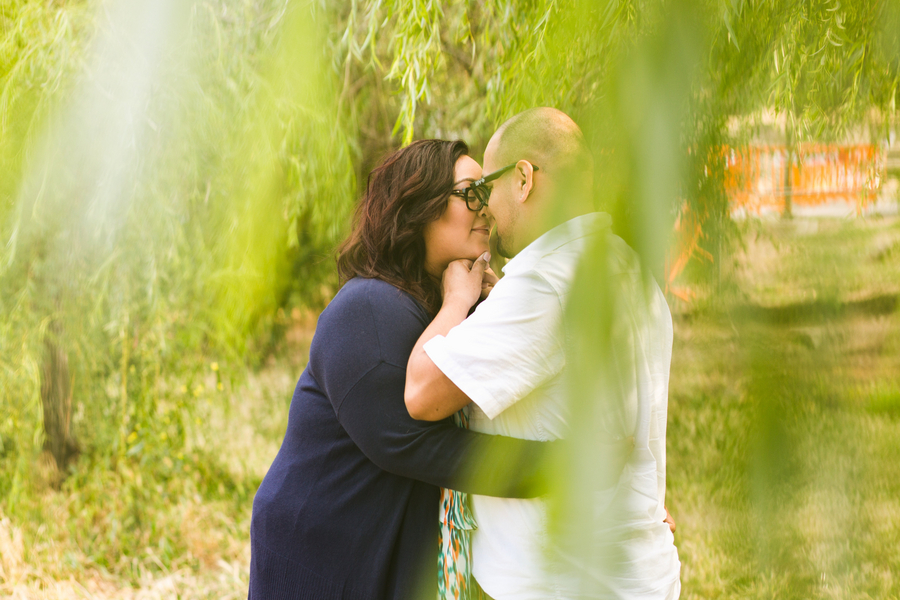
[460, 232]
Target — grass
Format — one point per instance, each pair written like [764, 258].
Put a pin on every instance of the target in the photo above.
[194, 542]
[783, 466]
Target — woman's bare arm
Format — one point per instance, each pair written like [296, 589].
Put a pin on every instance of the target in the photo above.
[430, 395]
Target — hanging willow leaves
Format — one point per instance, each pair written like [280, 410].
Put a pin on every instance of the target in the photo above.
[176, 173]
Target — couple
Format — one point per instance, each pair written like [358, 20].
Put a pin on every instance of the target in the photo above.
[353, 506]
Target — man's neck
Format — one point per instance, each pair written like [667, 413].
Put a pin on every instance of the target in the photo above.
[550, 220]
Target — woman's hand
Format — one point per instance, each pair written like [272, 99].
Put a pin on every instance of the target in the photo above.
[488, 281]
[429, 394]
[669, 521]
[463, 281]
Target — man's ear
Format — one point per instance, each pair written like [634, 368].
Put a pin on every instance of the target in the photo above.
[524, 180]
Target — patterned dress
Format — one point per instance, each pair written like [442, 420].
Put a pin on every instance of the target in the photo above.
[455, 581]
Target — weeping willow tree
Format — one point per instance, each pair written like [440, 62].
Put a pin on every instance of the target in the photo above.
[661, 88]
[174, 173]
[827, 68]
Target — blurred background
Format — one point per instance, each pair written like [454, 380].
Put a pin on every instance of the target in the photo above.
[175, 175]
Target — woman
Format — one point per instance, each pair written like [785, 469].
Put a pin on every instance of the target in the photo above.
[349, 507]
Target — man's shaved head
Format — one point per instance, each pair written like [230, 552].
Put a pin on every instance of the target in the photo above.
[526, 202]
[546, 137]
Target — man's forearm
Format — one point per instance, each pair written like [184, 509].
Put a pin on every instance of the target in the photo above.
[430, 395]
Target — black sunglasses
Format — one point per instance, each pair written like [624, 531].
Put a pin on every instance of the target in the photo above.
[480, 191]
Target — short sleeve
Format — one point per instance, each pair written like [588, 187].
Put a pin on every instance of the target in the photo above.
[510, 345]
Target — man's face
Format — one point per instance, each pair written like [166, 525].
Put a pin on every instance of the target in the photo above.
[502, 205]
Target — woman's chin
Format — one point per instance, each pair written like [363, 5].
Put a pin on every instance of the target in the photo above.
[472, 254]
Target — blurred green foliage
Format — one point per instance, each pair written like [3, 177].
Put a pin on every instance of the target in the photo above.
[177, 174]
[782, 431]
[174, 177]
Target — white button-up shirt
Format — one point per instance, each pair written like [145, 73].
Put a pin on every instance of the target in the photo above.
[509, 358]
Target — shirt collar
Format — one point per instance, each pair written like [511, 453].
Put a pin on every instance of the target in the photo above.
[571, 230]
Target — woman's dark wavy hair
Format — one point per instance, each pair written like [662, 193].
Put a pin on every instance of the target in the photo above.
[408, 190]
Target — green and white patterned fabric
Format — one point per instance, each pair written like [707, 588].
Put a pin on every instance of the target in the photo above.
[455, 580]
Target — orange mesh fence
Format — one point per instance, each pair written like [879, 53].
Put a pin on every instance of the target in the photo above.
[755, 177]
[755, 181]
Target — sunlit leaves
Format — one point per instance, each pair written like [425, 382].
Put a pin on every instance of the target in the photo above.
[161, 200]
[166, 215]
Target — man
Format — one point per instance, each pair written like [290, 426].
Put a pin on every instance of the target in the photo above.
[508, 360]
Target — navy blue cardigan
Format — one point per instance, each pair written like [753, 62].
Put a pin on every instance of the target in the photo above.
[349, 507]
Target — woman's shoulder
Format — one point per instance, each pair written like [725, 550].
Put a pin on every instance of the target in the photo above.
[372, 287]
[382, 300]
[373, 317]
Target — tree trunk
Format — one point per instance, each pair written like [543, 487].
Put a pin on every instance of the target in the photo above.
[56, 398]
[788, 167]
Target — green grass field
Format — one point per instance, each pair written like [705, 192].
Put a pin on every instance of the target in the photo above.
[783, 464]
[784, 419]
